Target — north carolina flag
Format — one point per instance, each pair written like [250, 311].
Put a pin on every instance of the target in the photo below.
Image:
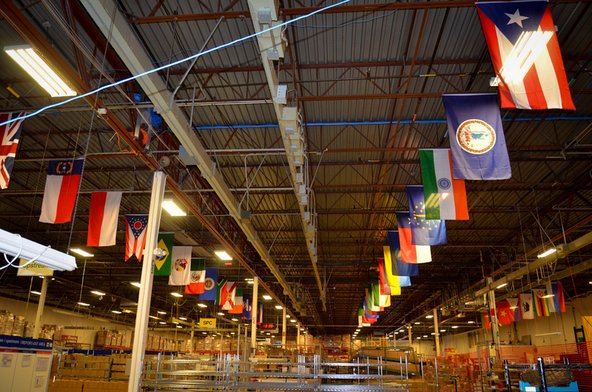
[423, 231]
[525, 54]
[103, 217]
[415, 254]
[135, 235]
[403, 269]
[61, 189]
[9, 138]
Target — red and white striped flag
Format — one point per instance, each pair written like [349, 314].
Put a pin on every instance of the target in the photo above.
[102, 222]
[9, 138]
[61, 189]
[525, 54]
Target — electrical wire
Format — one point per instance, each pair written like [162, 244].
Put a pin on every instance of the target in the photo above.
[169, 65]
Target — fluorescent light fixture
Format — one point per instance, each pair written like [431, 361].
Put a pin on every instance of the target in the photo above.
[430, 316]
[135, 284]
[116, 312]
[433, 333]
[288, 316]
[204, 333]
[279, 307]
[35, 292]
[471, 322]
[162, 322]
[267, 297]
[502, 285]
[454, 327]
[546, 253]
[267, 333]
[179, 326]
[160, 312]
[248, 279]
[442, 330]
[38, 69]
[127, 311]
[172, 208]
[232, 333]
[223, 255]
[293, 320]
[250, 282]
[178, 295]
[425, 336]
[81, 252]
[417, 323]
[202, 305]
[82, 304]
[183, 318]
[220, 313]
[97, 292]
[14, 244]
[234, 319]
[419, 337]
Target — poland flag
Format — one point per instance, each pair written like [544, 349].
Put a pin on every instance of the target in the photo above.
[102, 222]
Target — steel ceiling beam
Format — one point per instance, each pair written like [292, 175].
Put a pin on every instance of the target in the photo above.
[306, 10]
[129, 48]
[35, 38]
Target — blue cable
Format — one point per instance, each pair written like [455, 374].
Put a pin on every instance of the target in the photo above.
[197, 55]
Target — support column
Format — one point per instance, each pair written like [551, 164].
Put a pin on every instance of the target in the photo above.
[141, 327]
[493, 319]
[298, 334]
[284, 327]
[192, 336]
[254, 309]
[40, 307]
[409, 335]
[238, 336]
[436, 332]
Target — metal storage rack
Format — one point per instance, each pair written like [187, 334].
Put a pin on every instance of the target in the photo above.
[229, 373]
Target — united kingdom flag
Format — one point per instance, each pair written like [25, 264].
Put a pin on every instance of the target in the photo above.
[9, 138]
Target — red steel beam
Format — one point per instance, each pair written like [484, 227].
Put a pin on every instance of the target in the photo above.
[307, 10]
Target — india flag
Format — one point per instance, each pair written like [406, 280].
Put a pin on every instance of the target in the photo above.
[445, 196]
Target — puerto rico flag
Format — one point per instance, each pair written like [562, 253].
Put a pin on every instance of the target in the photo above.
[61, 189]
[525, 54]
[9, 138]
[135, 235]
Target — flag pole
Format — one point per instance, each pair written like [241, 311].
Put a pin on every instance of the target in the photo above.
[141, 326]
[40, 307]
